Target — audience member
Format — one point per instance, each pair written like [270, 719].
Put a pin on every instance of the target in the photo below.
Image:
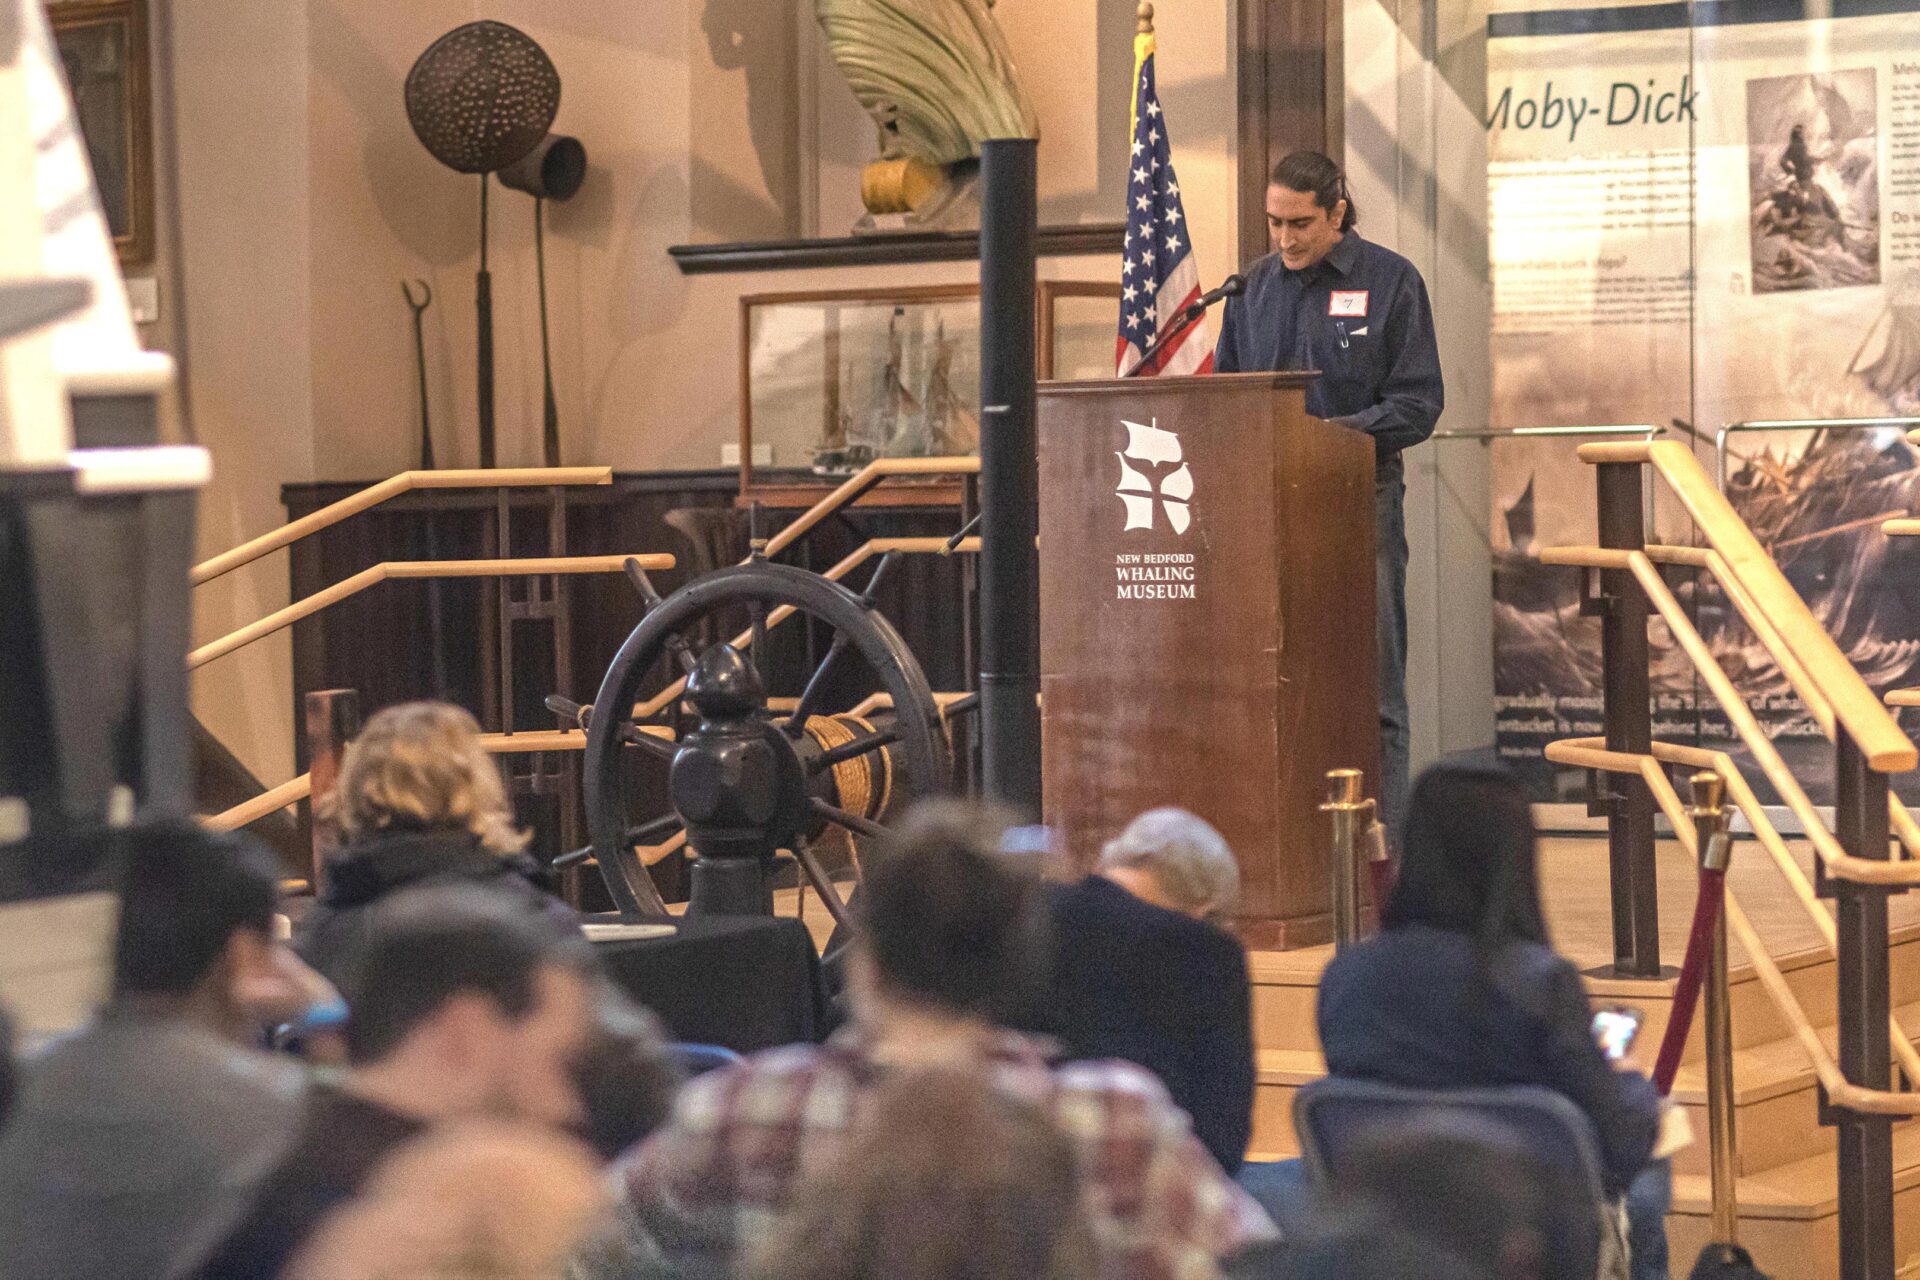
[1364, 1246]
[1472, 1189]
[1463, 988]
[126, 1129]
[1142, 971]
[951, 942]
[419, 801]
[477, 1200]
[944, 1178]
[462, 1005]
[626, 1074]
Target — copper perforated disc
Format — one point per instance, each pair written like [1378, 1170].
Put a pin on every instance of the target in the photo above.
[482, 96]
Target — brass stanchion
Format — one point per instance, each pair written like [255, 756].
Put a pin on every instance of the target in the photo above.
[1710, 829]
[1352, 820]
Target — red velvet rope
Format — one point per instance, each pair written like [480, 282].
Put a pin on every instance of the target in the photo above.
[1686, 991]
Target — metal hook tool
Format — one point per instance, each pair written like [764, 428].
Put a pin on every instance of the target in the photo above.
[420, 359]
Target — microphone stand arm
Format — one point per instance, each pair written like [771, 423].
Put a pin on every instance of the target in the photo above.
[1183, 322]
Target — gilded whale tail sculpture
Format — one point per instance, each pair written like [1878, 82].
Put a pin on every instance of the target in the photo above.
[937, 78]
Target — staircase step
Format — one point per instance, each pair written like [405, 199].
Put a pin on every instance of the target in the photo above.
[1789, 1215]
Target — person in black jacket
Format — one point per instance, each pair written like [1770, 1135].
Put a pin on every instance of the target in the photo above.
[1142, 971]
[418, 801]
[1463, 988]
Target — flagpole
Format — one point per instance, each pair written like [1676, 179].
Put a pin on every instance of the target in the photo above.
[1144, 43]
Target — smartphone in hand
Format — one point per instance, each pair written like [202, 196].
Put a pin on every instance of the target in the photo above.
[1615, 1028]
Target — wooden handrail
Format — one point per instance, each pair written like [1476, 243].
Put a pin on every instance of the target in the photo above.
[861, 481]
[412, 569]
[296, 789]
[1865, 718]
[1592, 753]
[392, 487]
[1838, 861]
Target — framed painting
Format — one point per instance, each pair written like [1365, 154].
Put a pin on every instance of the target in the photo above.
[103, 50]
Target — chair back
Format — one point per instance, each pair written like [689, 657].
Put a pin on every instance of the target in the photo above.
[1333, 1116]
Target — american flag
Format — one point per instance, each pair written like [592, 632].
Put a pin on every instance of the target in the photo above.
[1159, 278]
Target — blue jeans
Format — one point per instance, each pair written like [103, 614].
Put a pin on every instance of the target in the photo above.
[1649, 1197]
[1390, 603]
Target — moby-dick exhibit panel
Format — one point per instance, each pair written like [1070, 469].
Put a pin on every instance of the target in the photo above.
[1705, 219]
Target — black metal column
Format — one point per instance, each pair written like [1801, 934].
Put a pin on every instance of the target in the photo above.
[1866, 1050]
[1629, 725]
[1009, 479]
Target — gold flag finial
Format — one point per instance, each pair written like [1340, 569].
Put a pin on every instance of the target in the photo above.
[1146, 18]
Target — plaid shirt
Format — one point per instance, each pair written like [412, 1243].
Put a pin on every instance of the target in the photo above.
[723, 1168]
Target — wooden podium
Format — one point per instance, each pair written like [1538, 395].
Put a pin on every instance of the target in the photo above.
[1207, 623]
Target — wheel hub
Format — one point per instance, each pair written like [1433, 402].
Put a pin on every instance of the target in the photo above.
[737, 780]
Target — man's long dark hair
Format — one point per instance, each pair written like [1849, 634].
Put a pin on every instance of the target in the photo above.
[1468, 863]
[1313, 174]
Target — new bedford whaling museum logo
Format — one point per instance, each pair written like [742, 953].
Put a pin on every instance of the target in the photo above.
[1155, 450]
[1154, 477]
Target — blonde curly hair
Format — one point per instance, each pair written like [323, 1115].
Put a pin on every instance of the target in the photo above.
[420, 765]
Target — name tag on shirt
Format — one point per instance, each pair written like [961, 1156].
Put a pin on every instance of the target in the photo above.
[1347, 302]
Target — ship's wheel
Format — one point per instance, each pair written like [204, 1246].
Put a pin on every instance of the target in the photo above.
[746, 785]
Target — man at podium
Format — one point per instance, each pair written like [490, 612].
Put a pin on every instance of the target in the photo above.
[1327, 300]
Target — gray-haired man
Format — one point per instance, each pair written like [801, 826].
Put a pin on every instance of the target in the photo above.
[1142, 972]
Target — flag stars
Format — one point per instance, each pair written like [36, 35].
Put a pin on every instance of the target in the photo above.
[1129, 293]
[1153, 137]
[1143, 202]
[1153, 109]
[1140, 175]
[1173, 244]
[1138, 146]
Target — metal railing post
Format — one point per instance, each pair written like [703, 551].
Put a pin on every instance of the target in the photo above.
[1626, 659]
[333, 718]
[1710, 822]
[1866, 1049]
[1349, 816]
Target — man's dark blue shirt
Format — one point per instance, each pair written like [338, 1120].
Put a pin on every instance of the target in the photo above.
[1360, 316]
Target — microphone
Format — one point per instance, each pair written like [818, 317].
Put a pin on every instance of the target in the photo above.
[1232, 287]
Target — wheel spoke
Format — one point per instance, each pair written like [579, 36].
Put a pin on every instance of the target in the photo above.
[816, 685]
[568, 709]
[851, 821]
[757, 612]
[634, 736]
[853, 750]
[822, 883]
[572, 858]
[960, 706]
[676, 643]
[880, 572]
[654, 832]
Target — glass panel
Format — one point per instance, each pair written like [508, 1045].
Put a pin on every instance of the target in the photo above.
[1806, 149]
[835, 382]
